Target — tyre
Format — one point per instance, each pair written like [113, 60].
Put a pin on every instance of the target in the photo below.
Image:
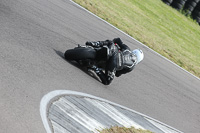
[178, 4]
[197, 7]
[190, 5]
[188, 8]
[196, 11]
[80, 54]
[196, 1]
[168, 2]
[197, 19]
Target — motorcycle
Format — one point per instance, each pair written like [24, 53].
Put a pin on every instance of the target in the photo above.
[89, 56]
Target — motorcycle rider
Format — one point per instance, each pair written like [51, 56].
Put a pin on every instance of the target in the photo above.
[120, 59]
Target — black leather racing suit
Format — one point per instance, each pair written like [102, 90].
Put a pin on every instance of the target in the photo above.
[120, 59]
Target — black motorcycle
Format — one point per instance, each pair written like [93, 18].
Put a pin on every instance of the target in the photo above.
[89, 56]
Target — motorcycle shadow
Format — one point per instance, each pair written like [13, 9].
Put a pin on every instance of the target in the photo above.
[77, 65]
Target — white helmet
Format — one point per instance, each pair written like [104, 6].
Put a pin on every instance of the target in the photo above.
[139, 55]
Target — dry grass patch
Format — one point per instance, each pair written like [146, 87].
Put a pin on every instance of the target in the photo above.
[124, 130]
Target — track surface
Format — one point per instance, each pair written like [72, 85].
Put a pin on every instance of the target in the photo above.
[33, 35]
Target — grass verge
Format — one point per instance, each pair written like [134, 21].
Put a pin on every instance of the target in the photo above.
[155, 24]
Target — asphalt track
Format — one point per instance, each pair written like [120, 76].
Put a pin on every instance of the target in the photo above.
[33, 36]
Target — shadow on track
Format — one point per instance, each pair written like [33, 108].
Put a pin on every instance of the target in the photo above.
[74, 63]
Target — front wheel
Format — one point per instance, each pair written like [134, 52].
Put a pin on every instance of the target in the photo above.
[80, 54]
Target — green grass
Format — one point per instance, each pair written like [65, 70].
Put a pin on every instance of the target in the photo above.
[155, 24]
[124, 130]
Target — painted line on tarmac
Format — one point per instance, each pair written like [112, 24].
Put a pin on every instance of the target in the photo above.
[65, 111]
[132, 38]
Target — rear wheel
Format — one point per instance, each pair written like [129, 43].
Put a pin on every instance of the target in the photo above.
[80, 54]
